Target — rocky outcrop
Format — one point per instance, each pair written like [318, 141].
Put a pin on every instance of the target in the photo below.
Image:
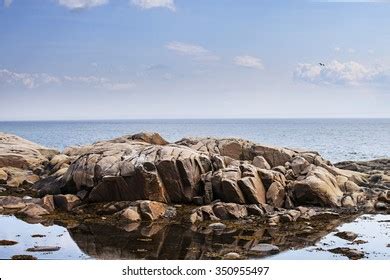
[21, 161]
[228, 178]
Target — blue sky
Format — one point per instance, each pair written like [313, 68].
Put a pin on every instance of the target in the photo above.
[102, 59]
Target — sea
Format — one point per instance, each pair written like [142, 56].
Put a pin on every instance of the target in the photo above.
[335, 139]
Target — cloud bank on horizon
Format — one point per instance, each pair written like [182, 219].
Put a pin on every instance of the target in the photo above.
[216, 55]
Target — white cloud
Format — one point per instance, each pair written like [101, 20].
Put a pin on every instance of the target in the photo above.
[335, 72]
[249, 62]
[119, 86]
[81, 4]
[195, 51]
[7, 3]
[337, 49]
[37, 80]
[150, 4]
[26, 79]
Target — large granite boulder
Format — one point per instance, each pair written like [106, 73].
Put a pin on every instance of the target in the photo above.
[127, 168]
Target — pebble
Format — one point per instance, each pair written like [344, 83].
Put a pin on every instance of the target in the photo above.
[232, 256]
[265, 248]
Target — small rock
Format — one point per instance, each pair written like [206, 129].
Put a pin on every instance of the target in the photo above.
[43, 249]
[3, 176]
[48, 203]
[352, 254]
[38, 235]
[217, 226]
[7, 242]
[274, 220]
[294, 214]
[131, 214]
[34, 211]
[265, 248]
[380, 206]
[152, 210]
[255, 210]
[359, 241]
[347, 235]
[11, 202]
[23, 257]
[2, 189]
[232, 256]
[347, 202]
[384, 197]
[66, 202]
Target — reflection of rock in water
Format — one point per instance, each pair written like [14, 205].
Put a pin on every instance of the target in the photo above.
[158, 241]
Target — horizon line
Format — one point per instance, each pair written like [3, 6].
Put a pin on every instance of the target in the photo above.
[213, 118]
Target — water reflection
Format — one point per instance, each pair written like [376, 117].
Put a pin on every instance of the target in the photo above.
[156, 241]
[177, 241]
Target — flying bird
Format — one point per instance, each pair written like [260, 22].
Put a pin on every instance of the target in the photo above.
[321, 64]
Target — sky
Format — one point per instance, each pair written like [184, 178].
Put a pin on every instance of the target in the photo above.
[148, 59]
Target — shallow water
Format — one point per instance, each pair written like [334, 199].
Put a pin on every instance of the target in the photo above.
[156, 241]
[335, 139]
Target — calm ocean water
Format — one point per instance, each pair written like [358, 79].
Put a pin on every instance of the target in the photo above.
[335, 139]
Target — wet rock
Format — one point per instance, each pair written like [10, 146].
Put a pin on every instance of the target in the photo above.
[43, 249]
[359, 241]
[198, 200]
[7, 242]
[324, 215]
[381, 206]
[34, 211]
[261, 162]
[265, 248]
[347, 235]
[276, 195]
[217, 226]
[152, 210]
[23, 257]
[229, 211]
[131, 214]
[38, 235]
[66, 202]
[255, 210]
[352, 254]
